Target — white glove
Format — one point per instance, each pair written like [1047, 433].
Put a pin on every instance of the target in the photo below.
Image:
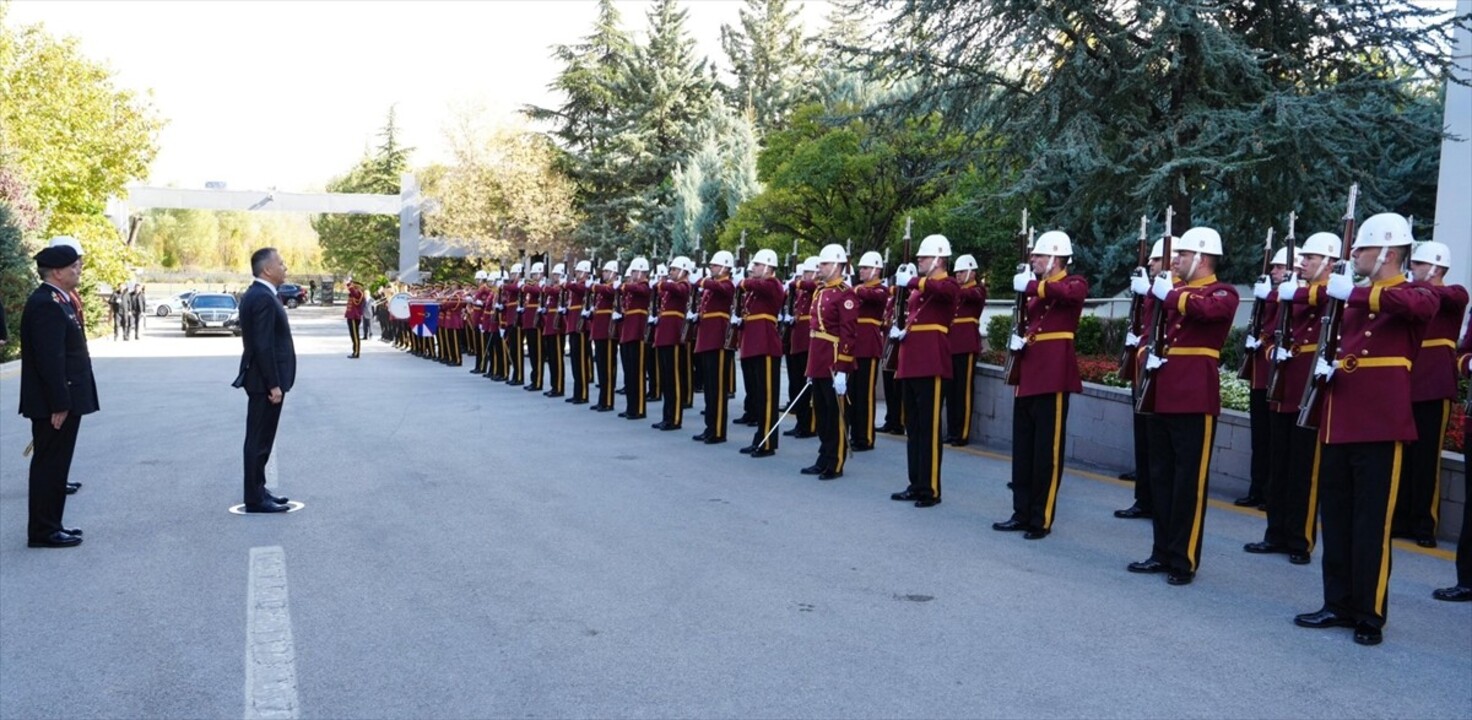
[692, 317]
[1154, 362]
[618, 316]
[1016, 343]
[587, 313]
[561, 311]
[653, 320]
[1139, 283]
[479, 304]
[840, 383]
[736, 321]
[896, 334]
[787, 318]
[520, 310]
[1262, 289]
[1132, 340]
[1282, 354]
[500, 306]
[1020, 281]
[1287, 291]
[903, 276]
[1161, 288]
[738, 277]
[1323, 369]
[541, 311]
[1253, 343]
[617, 284]
[1340, 286]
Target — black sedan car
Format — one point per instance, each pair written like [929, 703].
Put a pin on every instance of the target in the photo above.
[291, 295]
[211, 312]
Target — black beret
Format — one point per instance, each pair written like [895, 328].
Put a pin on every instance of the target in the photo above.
[58, 256]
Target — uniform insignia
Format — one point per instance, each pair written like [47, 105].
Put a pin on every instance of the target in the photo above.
[848, 304]
[1219, 293]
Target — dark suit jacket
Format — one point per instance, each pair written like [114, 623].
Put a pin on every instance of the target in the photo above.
[270, 357]
[55, 369]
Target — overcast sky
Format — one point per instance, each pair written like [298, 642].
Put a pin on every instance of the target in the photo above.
[286, 94]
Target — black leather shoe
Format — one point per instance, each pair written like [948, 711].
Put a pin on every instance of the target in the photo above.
[576, 401]
[743, 420]
[763, 453]
[665, 427]
[892, 430]
[830, 475]
[812, 470]
[1127, 475]
[958, 442]
[623, 414]
[604, 408]
[790, 433]
[1367, 634]
[640, 416]
[1249, 501]
[714, 441]
[1034, 534]
[1009, 526]
[1455, 593]
[1426, 542]
[267, 507]
[278, 499]
[352, 357]
[805, 434]
[72, 531]
[72, 488]
[1180, 577]
[1299, 558]
[1322, 618]
[549, 393]
[1133, 512]
[1264, 548]
[861, 447]
[58, 539]
[701, 437]
[1146, 567]
[927, 502]
[905, 496]
[749, 449]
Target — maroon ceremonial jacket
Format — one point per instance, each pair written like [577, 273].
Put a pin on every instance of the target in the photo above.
[925, 351]
[834, 322]
[510, 299]
[801, 314]
[602, 306]
[966, 326]
[636, 311]
[759, 336]
[873, 297]
[1434, 373]
[674, 298]
[1259, 370]
[1048, 363]
[355, 303]
[715, 313]
[1198, 317]
[1368, 399]
[1303, 329]
[531, 302]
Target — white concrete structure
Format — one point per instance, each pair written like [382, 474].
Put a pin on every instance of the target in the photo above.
[1454, 184]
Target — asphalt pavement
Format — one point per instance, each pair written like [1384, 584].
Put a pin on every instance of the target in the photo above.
[468, 549]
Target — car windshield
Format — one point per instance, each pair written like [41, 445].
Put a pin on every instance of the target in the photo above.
[213, 302]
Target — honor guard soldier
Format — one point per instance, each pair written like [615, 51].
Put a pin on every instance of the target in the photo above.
[576, 326]
[894, 409]
[965, 340]
[872, 297]
[717, 291]
[634, 299]
[1256, 368]
[1130, 370]
[509, 305]
[674, 295]
[1047, 373]
[925, 365]
[1364, 424]
[654, 389]
[1187, 399]
[835, 316]
[475, 312]
[761, 349]
[1433, 390]
[354, 315]
[552, 330]
[803, 286]
[531, 323]
[452, 321]
[1293, 472]
[1462, 591]
[604, 335]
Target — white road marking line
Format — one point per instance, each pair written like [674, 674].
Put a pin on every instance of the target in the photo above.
[270, 654]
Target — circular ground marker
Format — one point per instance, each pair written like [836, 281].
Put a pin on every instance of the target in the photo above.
[291, 506]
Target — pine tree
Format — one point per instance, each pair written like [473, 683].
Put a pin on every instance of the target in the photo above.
[716, 179]
[366, 245]
[770, 58]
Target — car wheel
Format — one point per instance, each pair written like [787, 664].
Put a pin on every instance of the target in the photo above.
[291, 303]
[163, 311]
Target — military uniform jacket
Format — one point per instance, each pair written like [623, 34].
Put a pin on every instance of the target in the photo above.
[602, 320]
[834, 323]
[636, 311]
[551, 301]
[759, 336]
[873, 298]
[1260, 368]
[509, 298]
[485, 313]
[577, 293]
[802, 315]
[1303, 330]
[925, 351]
[55, 367]
[966, 326]
[1369, 397]
[1048, 363]
[715, 313]
[531, 302]
[1464, 353]
[1434, 373]
[674, 298]
[452, 312]
[355, 304]
[1198, 317]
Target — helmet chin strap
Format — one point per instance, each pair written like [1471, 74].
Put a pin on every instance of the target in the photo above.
[1380, 260]
[1048, 269]
[1195, 263]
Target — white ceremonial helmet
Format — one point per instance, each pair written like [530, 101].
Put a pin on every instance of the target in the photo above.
[832, 253]
[610, 266]
[724, 258]
[1281, 257]
[872, 259]
[1383, 230]
[965, 262]
[480, 274]
[516, 269]
[683, 263]
[934, 246]
[639, 265]
[1326, 244]
[809, 265]
[1158, 249]
[559, 269]
[765, 257]
[537, 267]
[1053, 242]
[1433, 252]
[68, 241]
[661, 269]
[1203, 240]
[584, 266]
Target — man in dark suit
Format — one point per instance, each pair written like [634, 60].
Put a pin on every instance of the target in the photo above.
[267, 373]
[56, 390]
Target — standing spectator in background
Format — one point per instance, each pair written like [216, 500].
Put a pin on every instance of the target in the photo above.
[312, 292]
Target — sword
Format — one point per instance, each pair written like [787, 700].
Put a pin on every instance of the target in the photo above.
[790, 406]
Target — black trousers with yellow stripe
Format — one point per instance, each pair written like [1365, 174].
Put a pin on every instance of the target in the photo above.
[654, 390]
[714, 366]
[861, 405]
[353, 333]
[534, 356]
[1039, 429]
[894, 404]
[797, 376]
[830, 415]
[763, 384]
[959, 397]
[1259, 468]
[1180, 455]
[1143, 499]
[605, 359]
[495, 355]
[1293, 484]
[514, 352]
[922, 399]
[1417, 507]
[633, 357]
[1359, 483]
[581, 365]
[1464, 541]
[672, 379]
[556, 368]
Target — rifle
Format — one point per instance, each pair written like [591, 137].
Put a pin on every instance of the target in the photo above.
[1145, 388]
[1010, 369]
[889, 360]
[1254, 327]
[653, 300]
[579, 323]
[1313, 392]
[1137, 302]
[692, 301]
[1283, 334]
[618, 307]
[790, 304]
[738, 301]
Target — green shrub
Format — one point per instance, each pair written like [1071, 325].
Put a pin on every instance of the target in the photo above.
[1236, 393]
[998, 329]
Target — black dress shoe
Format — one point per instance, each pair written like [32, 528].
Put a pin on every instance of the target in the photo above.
[830, 475]
[604, 408]
[1133, 512]
[905, 496]
[892, 430]
[1322, 618]
[1299, 558]
[1426, 542]
[1009, 526]
[763, 453]
[1455, 593]
[72, 488]
[714, 441]
[749, 449]
[701, 437]
[1146, 567]
[812, 470]
[805, 434]
[1180, 577]
[861, 447]
[1127, 475]
[58, 539]
[352, 357]
[1264, 548]
[927, 502]
[576, 401]
[790, 433]
[72, 531]
[278, 499]
[1035, 534]
[958, 442]
[549, 393]
[498, 378]
[665, 427]
[744, 420]
[1367, 634]
[1249, 501]
[640, 416]
[623, 414]
[267, 507]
